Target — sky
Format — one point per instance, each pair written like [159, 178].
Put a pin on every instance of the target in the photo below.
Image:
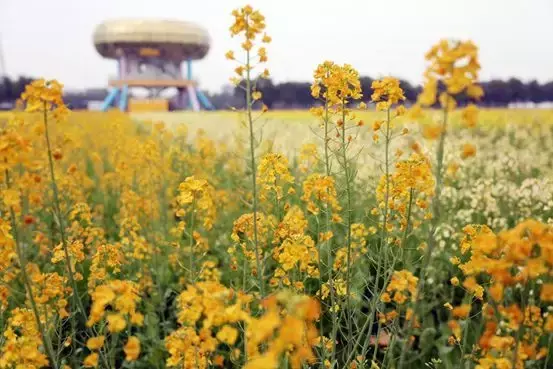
[53, 39]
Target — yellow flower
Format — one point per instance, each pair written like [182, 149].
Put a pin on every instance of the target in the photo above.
[132, 348]
[400, 110]
[475, 91]
[454, 281]
[116, 323]
[267, 361]
[472, 286]
[448, 306]
[468, 151]
[387, 92]
[496, 291]
[227, 334]
[461, 311]
[262, 53]
[230, 55]
[95, 343]
[470, 115]
[256, 95]
[91, 361]
[431, 131]
[546, 293]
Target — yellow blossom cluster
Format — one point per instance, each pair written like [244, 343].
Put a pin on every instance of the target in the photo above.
[519, 259]
[42, 95]
[8, 266]
[410, 187]
[386, 92]
[21, 342]
[295, 253]
[196, 199]
[123, 298]
[308, 157]
[287, 327]
[402, 287]
[249, 24]
[243, 237]
[106, 263]
[337, 85]
[272, 175]
[319, 191]
[207, 313]
[50, 292]
[455, 65]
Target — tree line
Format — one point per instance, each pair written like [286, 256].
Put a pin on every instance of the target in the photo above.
[297, 95]
[496, 93]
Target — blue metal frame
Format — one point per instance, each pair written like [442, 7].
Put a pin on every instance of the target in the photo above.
[124, 98]
[110, 98]
[205, 101]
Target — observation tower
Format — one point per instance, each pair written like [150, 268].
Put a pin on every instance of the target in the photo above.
[150, 54]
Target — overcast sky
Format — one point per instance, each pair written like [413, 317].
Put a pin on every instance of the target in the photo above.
[53, 38]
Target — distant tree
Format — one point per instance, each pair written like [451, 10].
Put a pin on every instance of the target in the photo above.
[298, 95]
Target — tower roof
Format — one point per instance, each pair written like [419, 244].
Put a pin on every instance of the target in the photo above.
[174, 39]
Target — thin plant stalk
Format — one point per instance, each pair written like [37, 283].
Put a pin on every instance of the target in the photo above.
[27, 282]
[383, 245]
[191, 243]
[259, 262]
[57, 209]
[431, 240]
[349, 316]
[334, 333]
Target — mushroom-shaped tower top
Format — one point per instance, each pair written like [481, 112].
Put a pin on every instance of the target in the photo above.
[174, 40]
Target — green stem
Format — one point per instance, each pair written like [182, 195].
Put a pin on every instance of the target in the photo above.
[191, 243]
[27, 282]
[431, 240]
[549, 342]
[349, 315]
[409, 210]
[254, 171]
[57, 209]
[333, 303]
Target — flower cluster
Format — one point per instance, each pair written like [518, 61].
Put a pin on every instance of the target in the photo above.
[402, 287]
[196, 199]
[513, 269]
[272, 175]
[287, 328]
[42, 95]
[208, 314]
[455, 64]
[386, 92]
[22, 344]
[296, 254]
[410, 187]
[319, 191]
[123, 298]
[337, 85]
[243, 235]
[249, 24]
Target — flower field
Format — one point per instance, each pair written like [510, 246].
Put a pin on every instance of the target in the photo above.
[361, 234]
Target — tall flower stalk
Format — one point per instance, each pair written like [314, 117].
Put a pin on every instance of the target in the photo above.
[250, 24]
[47, 97]
[338, 86]
[50, 352]
[454, 68]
